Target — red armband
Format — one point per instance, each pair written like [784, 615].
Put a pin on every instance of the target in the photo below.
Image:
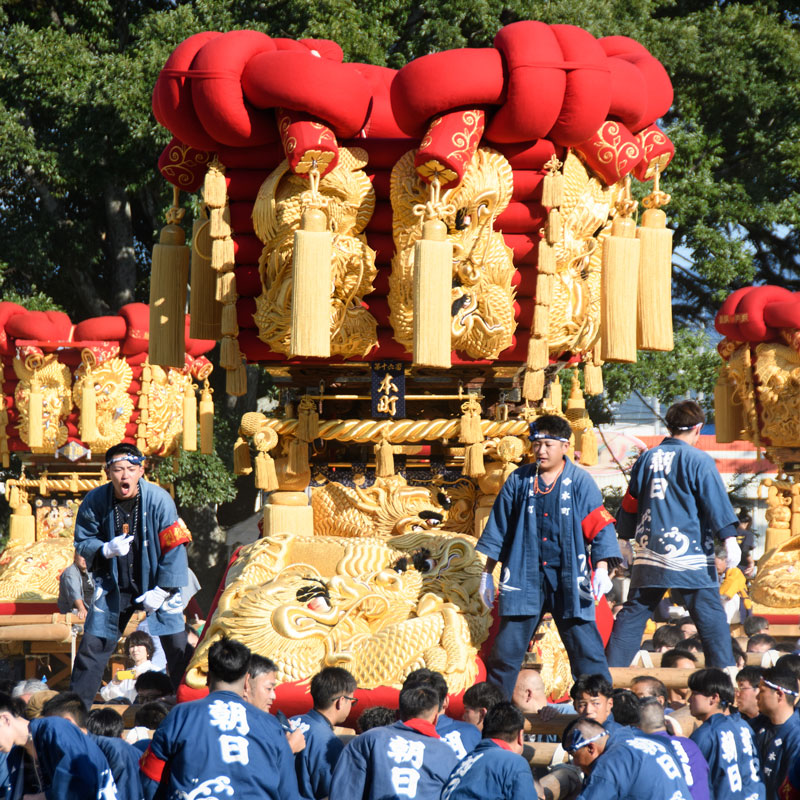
[174, 535]
[787, 791]
[152, 766]
[630, 503]
[595, 521]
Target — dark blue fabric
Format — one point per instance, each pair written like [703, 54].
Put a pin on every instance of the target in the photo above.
[547, 523]
[314, 764]
[17, 782]
[123, 758]
[694, 764]
[390, 763]
[728, 746]
[222, 743]
[490, 772]
[778, 747]
[462, 737]
[72, 766]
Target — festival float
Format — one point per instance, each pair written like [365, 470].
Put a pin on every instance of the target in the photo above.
[757, 399]
[414, 256]
[71, 391]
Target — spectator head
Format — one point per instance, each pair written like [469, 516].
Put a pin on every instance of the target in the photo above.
[626, 707]
[151, 715]
[376, 717]
[592, 696]
[24, 689]
[152, 685]
[645, 686]
[260, 681]
[711, 693]
[67, 705]
[739, 656]
[13, 725]
[332, 691]
[760, 643]
[745, 520]
[227, 664]
[429, 677]
[139, 647]
[755, 624]
[687, 627]
[504, 721]
[419, 702]
[34, 706]
[478, 699]
[651, 716]
[746, 695]
[693, 645]
[79, 561]
[529, 693]
[124, 467]
[790, 662]
[777, 694]
[585, 740]
[678, 659]
[684, 417]
[666, 637]
[105, 722]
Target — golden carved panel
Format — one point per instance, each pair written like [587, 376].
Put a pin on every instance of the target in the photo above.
[164, 425]
[111, 379]
[56, 384]
[777, 369]
[31, 571]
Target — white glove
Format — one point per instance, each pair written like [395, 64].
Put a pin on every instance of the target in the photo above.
[153, 599]
[601, 583]
[733, 551]
[118, 546]
[487, 589]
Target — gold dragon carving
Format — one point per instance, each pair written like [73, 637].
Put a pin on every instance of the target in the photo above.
[378, 608]
[777, 370]
[31, 571]
[482, 297]
[349, 207]
[777, 584]
[56, 387]
[164, 425]
[112, 379]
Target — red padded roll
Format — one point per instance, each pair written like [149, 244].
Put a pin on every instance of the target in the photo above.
[530, 155]
[381, 183]
[753, 326]
[248, 282]
[382, 244]
[101, 329]
[245, 308]
[381, 221]
[381, 123]
[241, 216]
[243, 184]
[45, 326]
[783, 315]
[527, 185]
[137, 336]
[628, 92]
[521, 218]
[267, 157]
[524, 245]
[7, 311]
[247, 248]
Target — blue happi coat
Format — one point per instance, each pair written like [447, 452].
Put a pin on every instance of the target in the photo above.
[315, 762]
[165, 566]
[511, 537]
[730, 750]
[675, 504]
[220, 746]
[123, 759]
[461, 736]
[71, 765]
[778, 747]
[390, 763]
[490, 772]
[635, 766]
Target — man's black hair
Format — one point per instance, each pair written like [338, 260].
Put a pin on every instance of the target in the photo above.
[692, 643]
[260, 665]
[668, 636]
[750, 674]
[418, 700]
[593, 685]
[686, 620]
[626, 707]
[671, 657]
[428, 677]
[66, 704]
[376, 717]
[655, 689]
[783, 677]
[227, 661]
[790, 663]
[587, 726]
[105, 722]
[151, 715]
[329, 684]
[123, 449]
[754, 624]
[683, 416]
[762, 638]
[140, 638]
[553, 424]
[503, 721]
[483, 695]
[712, 681]
[152, 681]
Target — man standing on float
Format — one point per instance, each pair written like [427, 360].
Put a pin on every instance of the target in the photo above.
[129, 532]
[548, 528]
[675, 504]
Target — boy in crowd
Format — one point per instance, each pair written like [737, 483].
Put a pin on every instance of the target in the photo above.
[478, 699]
[666, 637]
[746, 695]
[760, 643]
[592, 697]
[332, 693]
[732, 587]
[725, 741]
[495, 768]
[407, 759]
[678, 659]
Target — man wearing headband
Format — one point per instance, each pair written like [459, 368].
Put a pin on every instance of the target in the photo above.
[778, 740]
[129, 532]
[625, 765]
[548, 529]
[675, 505]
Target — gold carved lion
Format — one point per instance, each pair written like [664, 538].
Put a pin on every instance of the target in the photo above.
[164, 424]
[777, 583]
[378, 608]
[55, 382]
[777, 370]
[482, 297]
[31, 571]
[349, 207]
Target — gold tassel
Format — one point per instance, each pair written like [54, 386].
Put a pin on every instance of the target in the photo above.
[654, 309]
[241, 457]
[206, 421]
[544, 289]
[236, 381]
[215, 192]
[226, 288]
[22, 526]
[533, 385]
[554, 226]
[14, 498]
[73, 483]
[473, 461]
[204, 309]
[220, 222]
[592, 379]
[384, 458]
[229, 322]
[470, 431]
[728, 414]
[168, 280]
[4, 454]
[588, 447]
[298, 457]
[222, 256]
[547, 262]
[307, 420]
[189, 418]
[538, 354]
[553, 189]
[266, 477]
[556, 397]
[541, 321]
[619, 287]
[89, 432]
[229, 355]
[35, 421]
